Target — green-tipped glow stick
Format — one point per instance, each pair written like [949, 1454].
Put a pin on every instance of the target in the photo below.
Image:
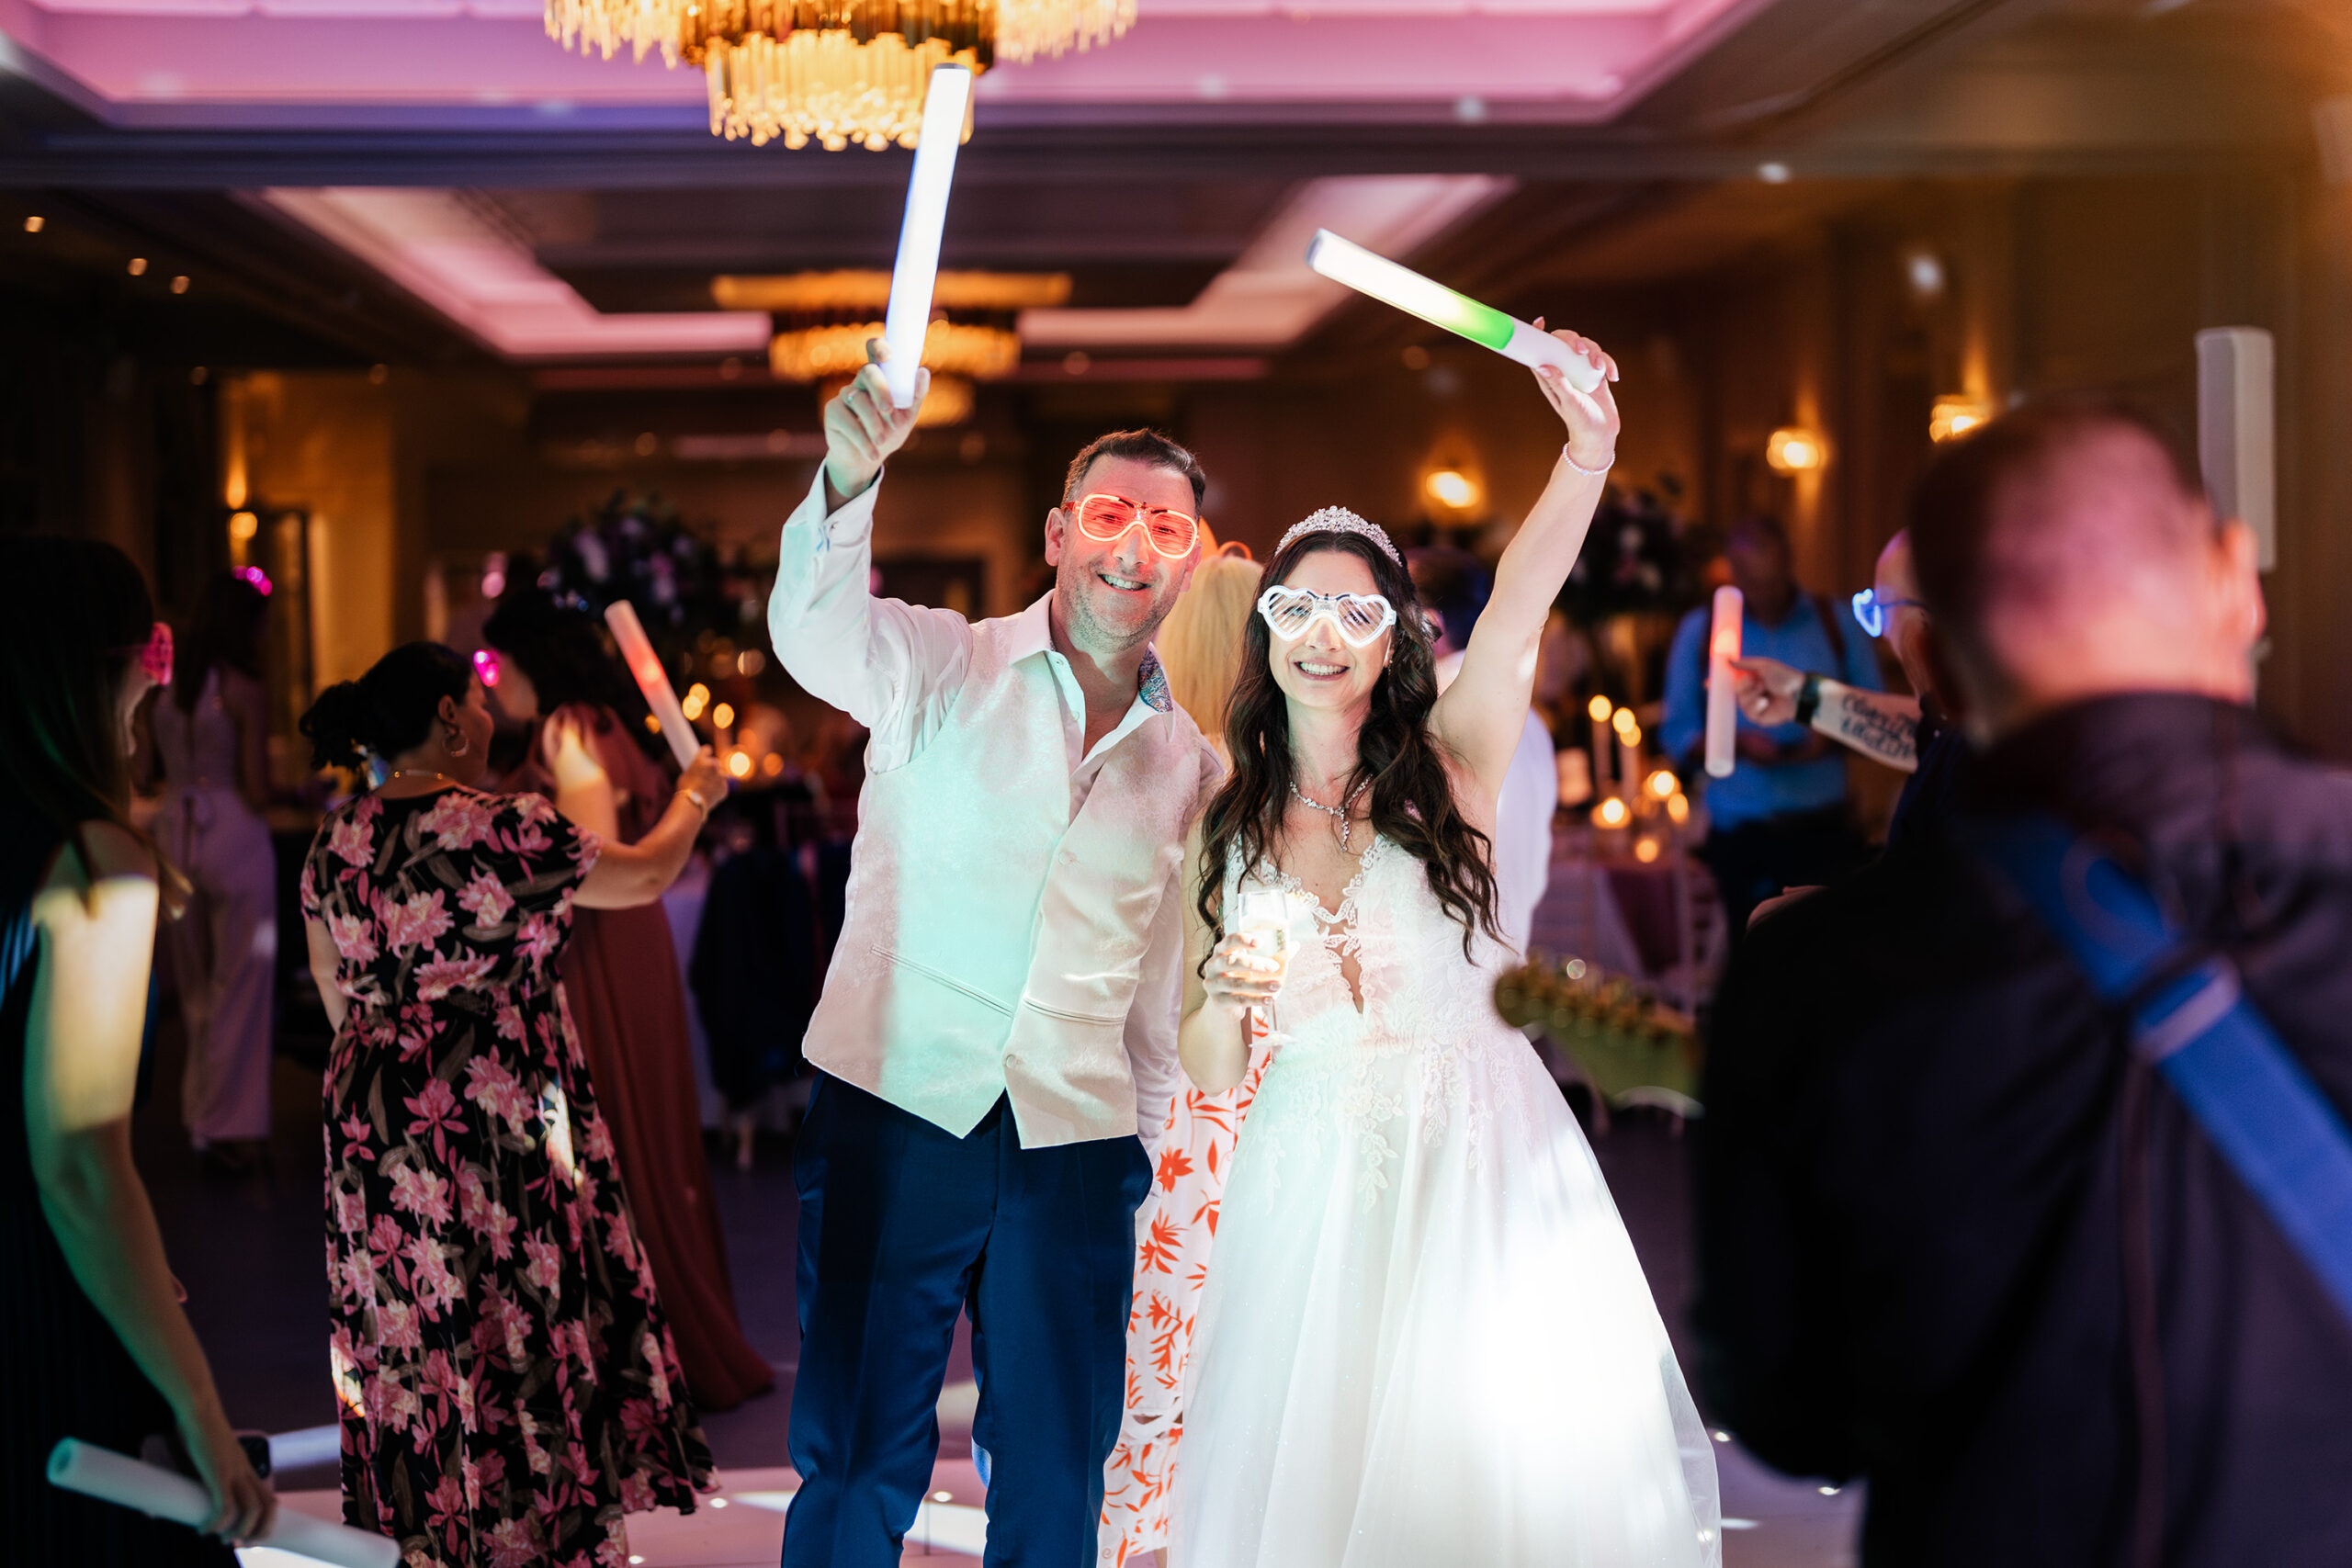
[1343, 261]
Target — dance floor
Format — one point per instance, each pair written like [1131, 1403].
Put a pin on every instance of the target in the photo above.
[251, 1254]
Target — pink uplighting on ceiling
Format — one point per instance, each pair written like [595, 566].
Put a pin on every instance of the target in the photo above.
[1560, 60]
[433, 245]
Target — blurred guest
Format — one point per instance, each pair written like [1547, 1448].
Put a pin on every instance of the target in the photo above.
[1782, 819]
[1913, 733]
[757, 958]
[1200, 642]
[1200, 647]
[212, 732]
[1454, 587]
[508, 1380]
[1956, 1235]
[620, 974]
[93, 1343]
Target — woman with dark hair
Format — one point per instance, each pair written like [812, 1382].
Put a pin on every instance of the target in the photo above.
[620, 974]
[508, 1383]
[93, 1343]
[1425, 1337]
[211, 733]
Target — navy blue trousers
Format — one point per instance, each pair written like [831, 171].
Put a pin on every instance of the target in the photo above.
[901, 1225]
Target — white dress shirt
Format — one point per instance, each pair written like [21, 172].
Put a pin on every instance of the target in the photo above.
[1010, 929]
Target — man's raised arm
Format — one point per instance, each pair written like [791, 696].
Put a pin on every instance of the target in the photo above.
[1884, 725]
[890, 666]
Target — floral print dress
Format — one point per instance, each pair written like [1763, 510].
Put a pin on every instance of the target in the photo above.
[509, 1386]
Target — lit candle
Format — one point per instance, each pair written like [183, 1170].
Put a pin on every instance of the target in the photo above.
[645, 664]
[1723, 711]
[1598, 708]
[1629, 756]
[1343, 261]
[908, 319]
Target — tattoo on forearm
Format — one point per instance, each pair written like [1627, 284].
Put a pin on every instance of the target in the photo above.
[1892, 738]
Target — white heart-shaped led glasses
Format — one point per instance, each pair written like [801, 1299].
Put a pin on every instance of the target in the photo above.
[1359, 618]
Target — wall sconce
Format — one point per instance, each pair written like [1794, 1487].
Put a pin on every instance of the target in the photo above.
[1453, 489]
[1923, 271]
[1792, 449]
[1954, 415]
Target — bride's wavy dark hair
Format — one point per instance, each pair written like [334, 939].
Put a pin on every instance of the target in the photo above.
[1411, 790]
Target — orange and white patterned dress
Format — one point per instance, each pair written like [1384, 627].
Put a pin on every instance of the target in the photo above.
[1173, 1231]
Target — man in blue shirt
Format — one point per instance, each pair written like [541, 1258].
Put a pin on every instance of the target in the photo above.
[1781, 818]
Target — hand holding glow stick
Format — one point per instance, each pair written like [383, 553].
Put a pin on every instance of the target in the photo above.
[1723, 681]
[1343, 261]
[653, 680]
[115, 1478]
[908, 319]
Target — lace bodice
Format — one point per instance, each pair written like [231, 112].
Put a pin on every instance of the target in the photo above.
[1418, 988]
[1428, 1012]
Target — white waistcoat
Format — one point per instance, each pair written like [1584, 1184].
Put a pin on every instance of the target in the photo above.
[992, 943]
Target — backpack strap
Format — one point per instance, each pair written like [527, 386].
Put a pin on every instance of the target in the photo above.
[2191, 1021]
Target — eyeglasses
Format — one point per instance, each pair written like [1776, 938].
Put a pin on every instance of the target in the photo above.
[1870, 611]
[1357, 617]
[1106, 518]
[486, 668]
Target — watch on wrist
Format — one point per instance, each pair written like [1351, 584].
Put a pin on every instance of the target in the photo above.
[1808, 699]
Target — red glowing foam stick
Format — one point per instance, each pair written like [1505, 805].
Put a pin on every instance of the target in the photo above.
[653, 680]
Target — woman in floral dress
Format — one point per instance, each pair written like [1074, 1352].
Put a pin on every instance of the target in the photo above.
[508, 1383]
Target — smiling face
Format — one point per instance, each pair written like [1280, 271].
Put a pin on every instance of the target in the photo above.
[1318, 669]
[1111, 595]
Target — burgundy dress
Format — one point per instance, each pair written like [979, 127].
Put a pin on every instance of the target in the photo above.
[620, 975]
[508, 1383]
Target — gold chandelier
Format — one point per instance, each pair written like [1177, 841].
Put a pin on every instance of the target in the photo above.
[949, 348]
[1029, 29]
[832, 72]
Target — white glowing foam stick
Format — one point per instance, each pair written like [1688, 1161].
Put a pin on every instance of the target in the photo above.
[636, 651]
[908, 320]
[1343, 261]
[117, 1478]
[1722, 683]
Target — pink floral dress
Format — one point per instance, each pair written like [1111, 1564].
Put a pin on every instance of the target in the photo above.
[509, 1387]
[1174, 1229]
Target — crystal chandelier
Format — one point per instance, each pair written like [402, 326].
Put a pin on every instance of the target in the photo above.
[1030, 30]
[950, 348]
[832, 72]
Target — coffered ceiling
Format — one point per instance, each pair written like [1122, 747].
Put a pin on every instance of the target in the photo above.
[436, 178]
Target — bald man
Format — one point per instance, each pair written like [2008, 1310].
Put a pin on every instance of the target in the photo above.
[1913, 733]
[1955, 1236]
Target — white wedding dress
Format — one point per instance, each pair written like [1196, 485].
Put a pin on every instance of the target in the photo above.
[1425, 1339]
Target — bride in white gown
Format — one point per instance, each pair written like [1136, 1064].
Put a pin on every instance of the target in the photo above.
[1425, 1339]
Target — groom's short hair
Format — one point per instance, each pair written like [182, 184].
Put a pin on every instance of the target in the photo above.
[1144, 446]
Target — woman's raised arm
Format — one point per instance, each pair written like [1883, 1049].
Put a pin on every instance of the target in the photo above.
[1482, 714]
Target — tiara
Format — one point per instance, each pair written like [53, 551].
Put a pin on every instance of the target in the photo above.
[1340, 520]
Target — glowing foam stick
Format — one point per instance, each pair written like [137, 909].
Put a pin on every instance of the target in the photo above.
[1343, 261]
[1723, 681]
[118, 1477]
[908, 319]
[653, 680]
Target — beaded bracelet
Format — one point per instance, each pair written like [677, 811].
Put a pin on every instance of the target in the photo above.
[1588, 473]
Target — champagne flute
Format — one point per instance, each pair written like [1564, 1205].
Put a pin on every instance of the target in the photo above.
[1263, 917]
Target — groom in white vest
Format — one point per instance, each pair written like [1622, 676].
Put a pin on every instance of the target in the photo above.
[998, 1031]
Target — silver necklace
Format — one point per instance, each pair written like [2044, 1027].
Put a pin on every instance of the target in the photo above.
[1338, 813]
